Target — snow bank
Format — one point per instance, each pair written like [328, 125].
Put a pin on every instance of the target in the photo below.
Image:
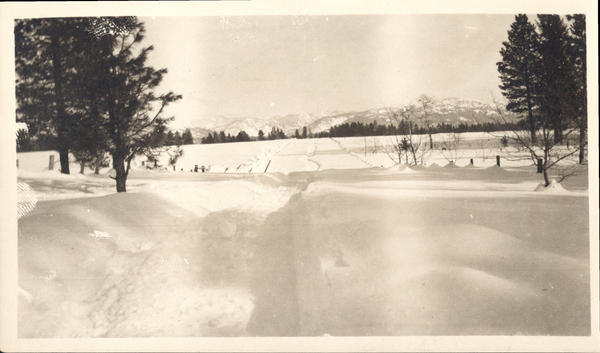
[451, 265]
[124, 265]
[158, 299]
[450, 165]
[202, 198]
[553, 188]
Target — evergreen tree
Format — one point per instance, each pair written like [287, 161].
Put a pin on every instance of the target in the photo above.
[578, 53]
[280, 134]
[261, 135]
[557, 84]
[46, 51]
[169, 139]
[88, 139]
[177, 140]
[518, 69]
[208, 139]
[242, 136]
[273, 134]
[125, 87]
[187, 138]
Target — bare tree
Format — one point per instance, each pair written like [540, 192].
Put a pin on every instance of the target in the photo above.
[486, 150]
[426, 105]
[451, 147]
[374, 144]
[406, 142]
[543, 148]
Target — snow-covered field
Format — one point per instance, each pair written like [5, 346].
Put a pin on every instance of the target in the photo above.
[329, 241]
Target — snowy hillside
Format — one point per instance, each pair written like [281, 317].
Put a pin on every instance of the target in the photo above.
[447, 110]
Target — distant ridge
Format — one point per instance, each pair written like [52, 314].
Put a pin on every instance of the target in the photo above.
[449, 110]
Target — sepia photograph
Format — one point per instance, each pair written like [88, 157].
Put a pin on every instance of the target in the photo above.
[248, 176]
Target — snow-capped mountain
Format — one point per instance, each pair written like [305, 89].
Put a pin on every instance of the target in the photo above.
[448, 110]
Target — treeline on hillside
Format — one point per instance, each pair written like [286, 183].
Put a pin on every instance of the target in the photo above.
[177, 139]
[275, 134]
[403, 127]
[360, 129]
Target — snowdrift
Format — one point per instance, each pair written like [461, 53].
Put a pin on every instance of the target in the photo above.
[325, 243]
[113, 266]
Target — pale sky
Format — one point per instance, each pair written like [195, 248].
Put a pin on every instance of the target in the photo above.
[263, 66]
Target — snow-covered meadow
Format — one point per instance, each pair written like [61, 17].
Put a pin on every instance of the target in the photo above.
[334, 239]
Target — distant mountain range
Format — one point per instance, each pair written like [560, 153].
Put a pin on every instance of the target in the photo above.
[447, 110]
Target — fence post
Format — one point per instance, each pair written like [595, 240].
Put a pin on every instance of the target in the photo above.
[51, 162]
[471, 161]
[498, 160]
[540, 165]
[17, 164]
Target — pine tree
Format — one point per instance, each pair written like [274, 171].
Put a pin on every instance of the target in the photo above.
[518, 70]
[125, 87]
[89, 141]
[208, 139]
[169, 139]
[557, 85]
[578, 51]
[177, 140]
[187, 138]
[46, 51]
[242, 136]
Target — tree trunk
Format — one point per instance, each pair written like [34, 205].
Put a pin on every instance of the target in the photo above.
[121, 177]
[97, 167]
[61, 117]
[531, 122]
[63, 152]
[81, 167]
[430, 138]
[557, 136]
[582, 136]
[545, 169]
[546, 180]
